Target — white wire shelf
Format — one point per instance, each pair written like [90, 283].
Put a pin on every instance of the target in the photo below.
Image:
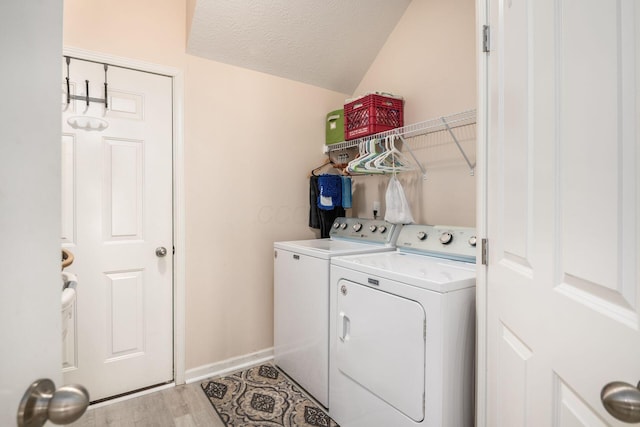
[444, 123]
[422, 128]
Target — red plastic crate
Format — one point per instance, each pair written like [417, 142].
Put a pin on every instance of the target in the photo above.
[372, 114]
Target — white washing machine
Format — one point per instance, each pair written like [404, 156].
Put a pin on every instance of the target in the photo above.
[402, 332]
[301, 297]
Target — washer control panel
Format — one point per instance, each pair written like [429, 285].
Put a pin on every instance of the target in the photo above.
[443, 241]
[365, 230]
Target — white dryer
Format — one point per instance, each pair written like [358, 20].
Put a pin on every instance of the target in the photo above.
[402, 332]
[301, 297]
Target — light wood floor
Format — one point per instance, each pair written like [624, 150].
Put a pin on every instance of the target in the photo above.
[181, 406]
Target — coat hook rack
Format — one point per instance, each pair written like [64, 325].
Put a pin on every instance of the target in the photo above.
[86, 97]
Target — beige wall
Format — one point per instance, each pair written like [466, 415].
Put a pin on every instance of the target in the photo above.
[145, 30]
[429, 59]
[250, 141]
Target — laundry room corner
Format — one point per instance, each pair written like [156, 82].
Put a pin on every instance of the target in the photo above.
[430, 60]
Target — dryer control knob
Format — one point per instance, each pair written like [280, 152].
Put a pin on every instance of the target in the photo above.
[357, 226]
[373, 228]
[446, 238]
[472, 240]
[343, 225]
[382, 229]
[422, 235]
[336, 224]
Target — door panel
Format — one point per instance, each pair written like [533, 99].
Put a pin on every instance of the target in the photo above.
[515, 159]
[605, 177]
[117, 175]
[511, 221]
[68, 196]
[514, 357]
[563, 204]
[571, 411]
[125, 321]
[123, 189]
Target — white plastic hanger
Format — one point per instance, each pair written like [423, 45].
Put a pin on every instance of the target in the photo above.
[392, 160]
[368, 152]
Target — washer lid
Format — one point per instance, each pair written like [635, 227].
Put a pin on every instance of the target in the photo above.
[436, 274]
[327, 248]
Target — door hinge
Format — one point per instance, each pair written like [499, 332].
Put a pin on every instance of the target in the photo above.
[485, 252]
[486, 38]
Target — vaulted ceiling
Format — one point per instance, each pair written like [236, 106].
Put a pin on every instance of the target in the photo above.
[326, 43]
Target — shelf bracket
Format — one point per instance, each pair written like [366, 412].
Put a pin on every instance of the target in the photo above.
[405, 144]
[472, 167]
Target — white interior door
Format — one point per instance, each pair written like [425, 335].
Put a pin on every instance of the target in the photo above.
[116, 210]
[563, 203]
[29, 200]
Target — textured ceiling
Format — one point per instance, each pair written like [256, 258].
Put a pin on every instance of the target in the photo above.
[326, 43]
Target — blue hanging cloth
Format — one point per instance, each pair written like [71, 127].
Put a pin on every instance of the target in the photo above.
[330, 189]
[346, 192]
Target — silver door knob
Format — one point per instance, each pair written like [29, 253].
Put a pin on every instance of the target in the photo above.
[43, 402]
[161, 251]
[622, 401]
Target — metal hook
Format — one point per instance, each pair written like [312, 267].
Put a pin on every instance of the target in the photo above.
[106, 102]
[68, 86]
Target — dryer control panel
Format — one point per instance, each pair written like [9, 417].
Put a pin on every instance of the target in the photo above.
[443, 241]
[365, 230]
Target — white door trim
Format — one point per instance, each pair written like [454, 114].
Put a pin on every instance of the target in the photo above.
[482, 75]
[177, 77]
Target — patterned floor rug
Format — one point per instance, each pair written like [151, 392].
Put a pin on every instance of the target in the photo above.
[263, 396]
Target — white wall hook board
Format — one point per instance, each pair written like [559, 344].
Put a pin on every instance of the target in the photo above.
[87, 123]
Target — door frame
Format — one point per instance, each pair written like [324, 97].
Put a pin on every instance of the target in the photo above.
[482, 138]
[177, 78]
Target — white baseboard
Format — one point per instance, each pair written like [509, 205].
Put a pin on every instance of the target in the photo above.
[229, 365]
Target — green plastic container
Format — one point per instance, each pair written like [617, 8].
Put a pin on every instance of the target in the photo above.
[335, 127]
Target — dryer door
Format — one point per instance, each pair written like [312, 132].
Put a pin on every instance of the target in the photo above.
[381, 345]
